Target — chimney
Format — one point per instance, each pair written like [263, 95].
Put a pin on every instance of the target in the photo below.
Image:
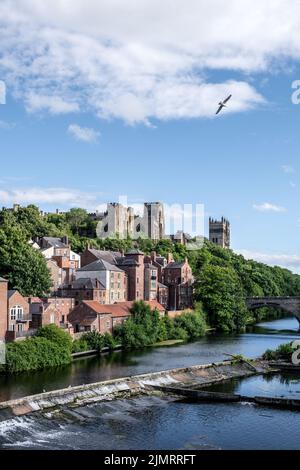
[65, 240]
[170, 258]
[153, 255]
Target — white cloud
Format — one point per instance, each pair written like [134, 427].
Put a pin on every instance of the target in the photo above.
[143, 59]
[288, 261]
[268, 207]
[84, 134]
[288, 169]
[52, 104]
[48, 196]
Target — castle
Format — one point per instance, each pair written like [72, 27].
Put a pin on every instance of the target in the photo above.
[122, 222]
[219, 232]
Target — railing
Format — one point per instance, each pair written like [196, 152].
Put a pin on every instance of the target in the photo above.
[24, 334]
[24, 319]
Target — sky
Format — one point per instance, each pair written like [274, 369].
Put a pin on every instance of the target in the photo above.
[106, 99]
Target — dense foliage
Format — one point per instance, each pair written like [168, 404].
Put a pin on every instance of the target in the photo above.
[24, 267]
[145, 327]
[224, 280]
[49, 349]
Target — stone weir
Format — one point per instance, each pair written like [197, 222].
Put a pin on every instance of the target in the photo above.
[72, 397]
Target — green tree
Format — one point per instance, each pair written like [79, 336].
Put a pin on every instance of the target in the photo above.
[76, 217]
[23, 266]
[222, 295]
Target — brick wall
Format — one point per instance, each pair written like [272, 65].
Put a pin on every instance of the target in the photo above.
[3, 310]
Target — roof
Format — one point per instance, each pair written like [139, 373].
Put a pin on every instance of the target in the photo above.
[86, 283]
[109, 256]
[3, 280]
[134, 252]
[128, 262]
[10, 293]
[121, 309]
[175, 265]
[99, 265]
[56, 242]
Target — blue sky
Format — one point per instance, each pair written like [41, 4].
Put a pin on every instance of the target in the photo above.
[152, 135]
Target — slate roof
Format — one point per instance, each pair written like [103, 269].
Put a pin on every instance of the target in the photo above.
[86, 283]
[10, 293]
[108, 256]
[175, 265]
[134, 252]
[99, 265]
[55, 242]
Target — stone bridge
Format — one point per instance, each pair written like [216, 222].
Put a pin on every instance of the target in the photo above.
[288, 304]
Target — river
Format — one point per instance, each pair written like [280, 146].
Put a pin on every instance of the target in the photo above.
[163, 423]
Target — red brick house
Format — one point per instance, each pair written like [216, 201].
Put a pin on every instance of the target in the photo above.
[18, 317]
[93, 316]
[133, 265]
[178, 277]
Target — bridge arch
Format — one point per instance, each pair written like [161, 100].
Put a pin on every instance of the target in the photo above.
[287, 304]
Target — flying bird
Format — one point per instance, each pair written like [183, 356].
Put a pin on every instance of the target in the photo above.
[222, 104]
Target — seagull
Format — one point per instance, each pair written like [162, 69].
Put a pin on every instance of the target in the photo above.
[222, 104]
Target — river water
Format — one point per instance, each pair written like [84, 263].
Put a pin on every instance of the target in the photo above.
[163, 423]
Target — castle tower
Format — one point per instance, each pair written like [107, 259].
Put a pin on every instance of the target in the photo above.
[155, 218]
[219, 232]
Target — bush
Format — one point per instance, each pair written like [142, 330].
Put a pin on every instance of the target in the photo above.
[94, 339]
[284, 351]
[35, 354]
[56, 335]
[193, 323]
[109, 341]
[80, 345]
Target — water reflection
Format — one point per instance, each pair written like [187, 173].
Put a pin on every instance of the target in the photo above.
[121, 364]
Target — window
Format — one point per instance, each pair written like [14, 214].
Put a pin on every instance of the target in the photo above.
[16, 313]
[108, 324]
[11, 327]
[20, 327]
[52, 318]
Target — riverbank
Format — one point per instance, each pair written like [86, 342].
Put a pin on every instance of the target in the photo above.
[60, 400]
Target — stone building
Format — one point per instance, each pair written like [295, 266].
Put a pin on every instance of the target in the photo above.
[120, 221]
[219, 232]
